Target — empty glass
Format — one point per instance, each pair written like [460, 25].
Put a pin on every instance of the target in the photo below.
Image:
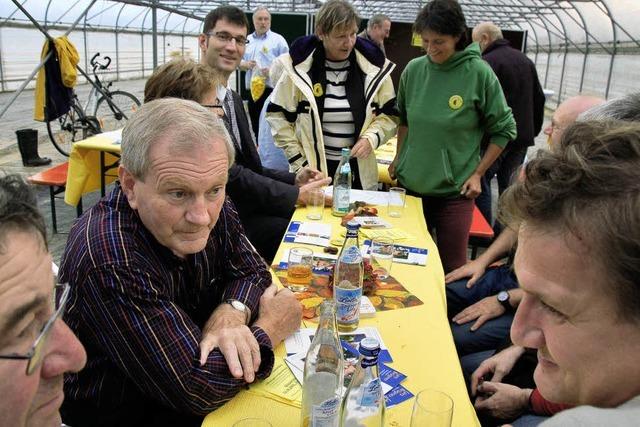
[382, 256]
[397, 197]
[432, 408]
[315, 204]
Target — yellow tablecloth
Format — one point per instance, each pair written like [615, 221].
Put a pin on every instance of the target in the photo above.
[419, 338]
[84, 166]
[386, 153]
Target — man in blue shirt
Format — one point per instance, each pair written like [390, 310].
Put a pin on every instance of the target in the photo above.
[263, 47]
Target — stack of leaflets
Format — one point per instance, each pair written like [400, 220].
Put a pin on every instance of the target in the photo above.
[298, 344]
[312, 233]
[401, 254]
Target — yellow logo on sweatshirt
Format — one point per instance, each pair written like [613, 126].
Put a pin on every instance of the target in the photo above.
[317, 90]
[455, 102]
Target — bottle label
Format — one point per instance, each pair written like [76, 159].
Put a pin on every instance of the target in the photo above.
[341, 199]
[351, 255]
[348, 302]
[371, 393]
[326, 413]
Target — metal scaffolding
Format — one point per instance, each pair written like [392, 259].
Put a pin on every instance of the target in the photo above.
[557, 30]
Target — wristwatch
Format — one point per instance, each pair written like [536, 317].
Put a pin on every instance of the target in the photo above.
[503, 298]
[240, 307]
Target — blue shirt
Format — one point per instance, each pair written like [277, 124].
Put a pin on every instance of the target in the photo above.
[263, 49]
[272, 157]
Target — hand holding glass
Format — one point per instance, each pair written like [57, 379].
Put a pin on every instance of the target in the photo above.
[299, 269]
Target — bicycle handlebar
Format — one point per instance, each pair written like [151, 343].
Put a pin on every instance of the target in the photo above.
[103, 66]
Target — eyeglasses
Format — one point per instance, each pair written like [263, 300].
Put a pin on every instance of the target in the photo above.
[225, 37]
[36, 354]
[212, 106]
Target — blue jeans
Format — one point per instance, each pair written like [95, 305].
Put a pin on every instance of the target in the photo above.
[492, 332]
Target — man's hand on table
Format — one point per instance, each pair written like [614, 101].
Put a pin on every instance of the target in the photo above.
[280, 314]
[226, 330]
[305, 191]
[486, 309]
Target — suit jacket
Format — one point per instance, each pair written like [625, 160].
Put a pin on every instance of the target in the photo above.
[256, 190]
[519, 80]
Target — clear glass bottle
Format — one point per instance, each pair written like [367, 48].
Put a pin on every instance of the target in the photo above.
[323, 373]
[347, 280]
[363, 405]
[342, 185]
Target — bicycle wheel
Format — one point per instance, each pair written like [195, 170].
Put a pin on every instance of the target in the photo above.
[67, 129]
[113, 115]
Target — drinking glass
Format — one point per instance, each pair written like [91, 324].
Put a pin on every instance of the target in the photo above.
[299, 269]
[252, 422]
[382, 256]
[397, 197]
[315, 204]
[432, 408]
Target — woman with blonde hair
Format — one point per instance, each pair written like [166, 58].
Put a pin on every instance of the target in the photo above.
[335, 92]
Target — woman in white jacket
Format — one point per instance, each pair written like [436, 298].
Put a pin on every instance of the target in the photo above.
[335, 92]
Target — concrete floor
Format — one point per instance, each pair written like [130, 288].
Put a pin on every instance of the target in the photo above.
[20, 115]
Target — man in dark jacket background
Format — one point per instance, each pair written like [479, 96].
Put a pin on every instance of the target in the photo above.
[519, 80]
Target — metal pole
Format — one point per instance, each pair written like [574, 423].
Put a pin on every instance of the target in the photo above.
[154, 30]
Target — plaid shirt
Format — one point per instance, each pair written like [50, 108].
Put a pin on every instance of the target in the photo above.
[138, 309]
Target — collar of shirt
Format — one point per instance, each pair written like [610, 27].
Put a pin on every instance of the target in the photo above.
[264, 36]
[222, 93]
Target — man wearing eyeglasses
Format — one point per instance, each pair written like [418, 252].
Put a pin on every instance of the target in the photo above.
[36, 347]
[265, 198]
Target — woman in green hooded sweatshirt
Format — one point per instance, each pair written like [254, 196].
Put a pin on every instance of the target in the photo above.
[448, 99]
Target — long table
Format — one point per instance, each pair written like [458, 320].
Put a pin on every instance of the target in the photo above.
[92, 164]
[419, 338]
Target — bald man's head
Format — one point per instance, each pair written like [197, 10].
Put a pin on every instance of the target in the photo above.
[566, 114]
[486, 33]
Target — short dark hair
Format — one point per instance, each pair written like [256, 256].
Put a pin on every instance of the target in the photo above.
[231, 14]
[588, 187]
[377, 20]
[444, 17]
[19, 209]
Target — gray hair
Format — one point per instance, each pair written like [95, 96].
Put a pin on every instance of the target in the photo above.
[186, 123]
[259, 8]
[377, 20]
[19, 209]
[626, 108]
[336, 14]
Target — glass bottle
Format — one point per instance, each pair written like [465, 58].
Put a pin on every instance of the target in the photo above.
[347, 280]
[342, 185]
[364, 401]
[323, 373]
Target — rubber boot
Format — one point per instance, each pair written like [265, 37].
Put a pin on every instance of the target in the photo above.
[28, 145]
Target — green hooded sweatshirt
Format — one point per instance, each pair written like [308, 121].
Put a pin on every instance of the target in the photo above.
[447, 109]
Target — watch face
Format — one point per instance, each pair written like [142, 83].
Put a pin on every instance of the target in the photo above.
[503, 296]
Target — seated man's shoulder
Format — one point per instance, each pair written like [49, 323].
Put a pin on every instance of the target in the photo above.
[626, 414]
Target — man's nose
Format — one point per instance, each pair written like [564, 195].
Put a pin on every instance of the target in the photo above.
[198, 213]
[64, 353]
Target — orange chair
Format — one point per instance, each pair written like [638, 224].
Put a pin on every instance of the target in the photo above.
[56, 179]
[480, 232]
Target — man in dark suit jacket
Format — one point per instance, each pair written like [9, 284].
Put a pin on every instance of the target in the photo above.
[265, 198]
[519, 80]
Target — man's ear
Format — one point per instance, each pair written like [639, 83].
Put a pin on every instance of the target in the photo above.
[202, 42]
[128, 184]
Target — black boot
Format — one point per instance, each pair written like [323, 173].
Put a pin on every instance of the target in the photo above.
[28, 145]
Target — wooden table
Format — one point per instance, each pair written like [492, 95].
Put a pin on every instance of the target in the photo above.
[419, 338]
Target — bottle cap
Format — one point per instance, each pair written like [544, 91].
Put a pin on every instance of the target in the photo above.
[353, 225]
[369, 347]
[346, 151]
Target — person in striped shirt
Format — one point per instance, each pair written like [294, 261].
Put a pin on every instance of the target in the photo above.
[160, 266]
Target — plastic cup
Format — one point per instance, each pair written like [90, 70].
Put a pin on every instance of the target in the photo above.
[299, 269]
[397, 197]
[315, 204]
